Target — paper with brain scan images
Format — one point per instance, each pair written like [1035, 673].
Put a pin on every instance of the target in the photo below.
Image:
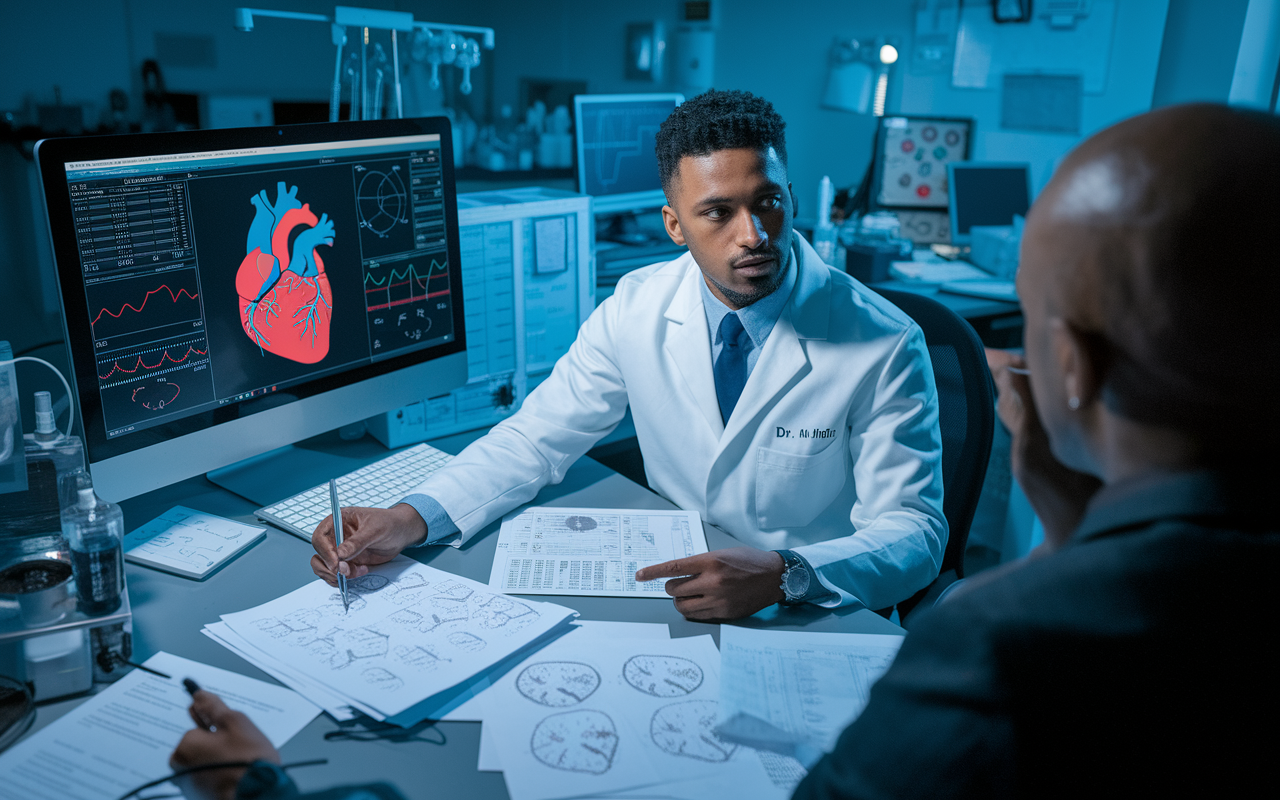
[591, 551]
[414, 637]
[617, 715]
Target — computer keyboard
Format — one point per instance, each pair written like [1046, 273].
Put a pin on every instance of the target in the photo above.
[379, 485]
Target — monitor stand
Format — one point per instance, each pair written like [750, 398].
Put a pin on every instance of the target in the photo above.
[276, 474]
[624, 228]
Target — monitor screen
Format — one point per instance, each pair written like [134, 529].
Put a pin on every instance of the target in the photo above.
[911, 158]
[615, 135]
[986, 194]
[210, 277]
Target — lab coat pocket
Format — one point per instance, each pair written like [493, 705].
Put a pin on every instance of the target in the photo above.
[792, 489]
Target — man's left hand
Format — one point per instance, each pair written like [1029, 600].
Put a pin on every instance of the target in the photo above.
[724, 584]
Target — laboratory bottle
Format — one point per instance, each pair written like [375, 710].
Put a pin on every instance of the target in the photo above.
[29, 520]
[94, 530]
[824, 233]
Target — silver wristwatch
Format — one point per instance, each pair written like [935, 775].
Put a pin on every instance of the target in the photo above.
[796, 579]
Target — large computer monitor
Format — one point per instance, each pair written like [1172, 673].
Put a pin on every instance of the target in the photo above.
[986, 193]
[617, 164]
[229, 292]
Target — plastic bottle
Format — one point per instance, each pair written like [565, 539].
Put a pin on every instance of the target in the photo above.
[824, 234]
[95, 531]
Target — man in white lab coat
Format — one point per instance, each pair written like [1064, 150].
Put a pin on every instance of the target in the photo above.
[781, 399]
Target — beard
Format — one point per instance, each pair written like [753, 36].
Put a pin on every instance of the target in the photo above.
[765, 287]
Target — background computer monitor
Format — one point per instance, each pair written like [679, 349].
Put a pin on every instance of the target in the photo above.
[226, 293]
[986, 193]
[614, 135]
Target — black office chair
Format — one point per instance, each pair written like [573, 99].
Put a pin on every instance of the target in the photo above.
[966, 416]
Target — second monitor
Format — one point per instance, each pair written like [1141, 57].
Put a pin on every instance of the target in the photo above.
[617, 165]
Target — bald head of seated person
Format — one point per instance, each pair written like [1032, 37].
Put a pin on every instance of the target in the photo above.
[779, 398]
[1132, 659]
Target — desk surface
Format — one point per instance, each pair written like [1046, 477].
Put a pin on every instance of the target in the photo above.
[169, 612]
[964, 305]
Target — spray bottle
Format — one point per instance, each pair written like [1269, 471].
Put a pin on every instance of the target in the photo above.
[94, 530]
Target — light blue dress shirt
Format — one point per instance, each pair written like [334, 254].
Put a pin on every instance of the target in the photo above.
[757, 320]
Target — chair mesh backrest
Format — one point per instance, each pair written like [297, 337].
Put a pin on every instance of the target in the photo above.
[966, 411]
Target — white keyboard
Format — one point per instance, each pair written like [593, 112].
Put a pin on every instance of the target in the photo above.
[379, 485]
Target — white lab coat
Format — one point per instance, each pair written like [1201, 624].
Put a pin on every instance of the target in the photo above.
[833, 449]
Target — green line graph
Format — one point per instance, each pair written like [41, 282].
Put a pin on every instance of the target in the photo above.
[410, 276]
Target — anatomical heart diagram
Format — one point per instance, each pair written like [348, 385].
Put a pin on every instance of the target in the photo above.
[286, 303]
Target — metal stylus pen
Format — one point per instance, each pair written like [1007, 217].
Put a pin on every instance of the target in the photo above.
[337, 541]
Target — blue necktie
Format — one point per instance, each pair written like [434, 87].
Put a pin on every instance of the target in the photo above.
[731, 367]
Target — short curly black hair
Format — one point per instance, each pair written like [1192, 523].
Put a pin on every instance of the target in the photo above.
[717, 120]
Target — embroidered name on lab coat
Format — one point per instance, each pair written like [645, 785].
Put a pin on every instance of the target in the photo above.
[806, 433]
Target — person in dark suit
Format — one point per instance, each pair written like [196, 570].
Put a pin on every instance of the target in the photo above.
[1133, 657]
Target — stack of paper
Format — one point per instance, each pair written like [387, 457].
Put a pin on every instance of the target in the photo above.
[794, 693]
[122, 737]
[416, 643]
[622, 718]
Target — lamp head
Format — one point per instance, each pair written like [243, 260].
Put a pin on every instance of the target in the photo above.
[244, 19]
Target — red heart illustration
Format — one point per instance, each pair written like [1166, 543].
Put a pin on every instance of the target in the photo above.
[290, 317]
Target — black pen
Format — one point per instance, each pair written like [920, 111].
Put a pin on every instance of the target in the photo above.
[192, 687]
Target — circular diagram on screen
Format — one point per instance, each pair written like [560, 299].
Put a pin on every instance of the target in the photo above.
[382, 202]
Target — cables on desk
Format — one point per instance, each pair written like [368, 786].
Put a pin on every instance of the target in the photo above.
[218, 765]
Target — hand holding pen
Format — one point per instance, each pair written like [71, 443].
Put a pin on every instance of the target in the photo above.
[371, 536]
[337, 541]
[223, 735]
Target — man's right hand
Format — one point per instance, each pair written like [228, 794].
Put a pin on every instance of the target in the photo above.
[370, 536]
[1057, 493]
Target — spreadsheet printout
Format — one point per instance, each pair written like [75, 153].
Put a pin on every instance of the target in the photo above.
[591, 551]
[807, 687]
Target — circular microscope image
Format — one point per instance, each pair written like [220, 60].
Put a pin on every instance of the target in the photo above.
[662, 676]
[688, 729]
[576, 741]
[558, 683]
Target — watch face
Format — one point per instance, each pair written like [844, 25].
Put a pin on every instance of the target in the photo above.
[797, 579]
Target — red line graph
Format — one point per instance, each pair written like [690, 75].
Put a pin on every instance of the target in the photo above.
[140, 364]
[174, 296]
[409, 300]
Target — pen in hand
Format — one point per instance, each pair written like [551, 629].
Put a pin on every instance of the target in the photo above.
[337, 542]
[192, 687]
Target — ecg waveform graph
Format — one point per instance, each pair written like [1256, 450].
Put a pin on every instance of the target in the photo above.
[121, 368]
[407, 303]
[388, 286]
[619, 146]
[144, 303]
[141, 382]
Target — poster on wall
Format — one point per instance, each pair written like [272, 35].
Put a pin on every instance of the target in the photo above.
[912, 158]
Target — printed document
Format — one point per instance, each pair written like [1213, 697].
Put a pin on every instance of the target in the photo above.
[413, 641]
[121, 737]
[793, 692]
[190, 543]
[603, 717]
[591, 551]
